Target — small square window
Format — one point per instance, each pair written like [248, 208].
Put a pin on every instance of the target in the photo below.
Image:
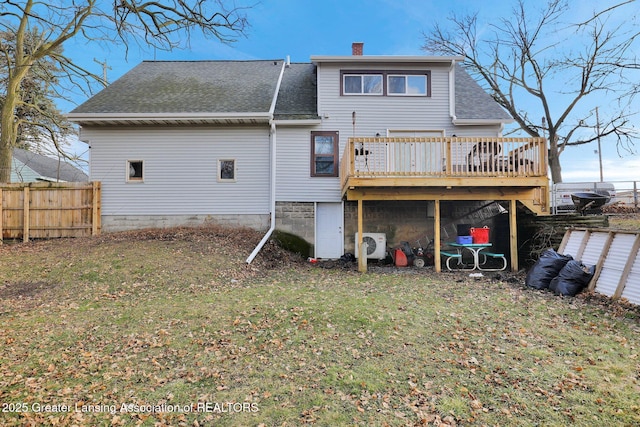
[134, 171]
[227, 170]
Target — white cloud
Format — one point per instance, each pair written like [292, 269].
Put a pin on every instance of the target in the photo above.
[613, 169]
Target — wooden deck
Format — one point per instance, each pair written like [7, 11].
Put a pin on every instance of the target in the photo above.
[441, 168]
[447, 168]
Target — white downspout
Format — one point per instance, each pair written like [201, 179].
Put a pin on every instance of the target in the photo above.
[273, 137]
[452, 90]
[273, 197]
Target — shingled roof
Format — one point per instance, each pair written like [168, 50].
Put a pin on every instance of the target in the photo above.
[189, 87]
[298, 93]
[473, 102]
[218, 90]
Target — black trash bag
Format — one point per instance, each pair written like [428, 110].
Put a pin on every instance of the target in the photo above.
[573, 278]
[546, 268]
[348, 257]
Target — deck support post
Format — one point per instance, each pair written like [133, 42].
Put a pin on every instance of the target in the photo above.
[436, 236]
[513, 233]
[362, 258]
[1, 202]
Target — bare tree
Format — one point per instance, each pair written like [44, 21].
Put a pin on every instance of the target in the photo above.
[41, 125]
[162, 24]
[546, 73]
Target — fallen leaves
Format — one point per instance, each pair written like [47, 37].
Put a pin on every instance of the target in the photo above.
[164, 316]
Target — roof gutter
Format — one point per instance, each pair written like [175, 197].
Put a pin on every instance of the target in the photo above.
[415, 59]
[100, 117]
[479, 122]
[273, 137]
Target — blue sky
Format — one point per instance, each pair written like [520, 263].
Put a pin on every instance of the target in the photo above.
[302, 28]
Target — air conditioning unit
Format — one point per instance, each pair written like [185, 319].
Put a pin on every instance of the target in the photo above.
[376, 245]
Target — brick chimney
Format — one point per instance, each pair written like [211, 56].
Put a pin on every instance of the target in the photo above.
[357, 48]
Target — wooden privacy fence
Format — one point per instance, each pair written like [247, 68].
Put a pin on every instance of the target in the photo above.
[40, 210]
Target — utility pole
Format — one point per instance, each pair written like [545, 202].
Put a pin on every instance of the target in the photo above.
[105, 67]
[599, 148]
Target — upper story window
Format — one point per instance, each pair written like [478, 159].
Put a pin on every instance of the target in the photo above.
[412, 85]
[362, 84]
[386, 83]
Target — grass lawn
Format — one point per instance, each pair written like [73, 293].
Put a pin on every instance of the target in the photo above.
[173, 328]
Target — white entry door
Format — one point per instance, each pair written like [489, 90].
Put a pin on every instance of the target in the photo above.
[329, 226]
[414, 157]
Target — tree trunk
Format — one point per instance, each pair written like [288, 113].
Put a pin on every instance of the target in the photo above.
[8, 119]
[556, 170]
[7, 139]
[554, 158]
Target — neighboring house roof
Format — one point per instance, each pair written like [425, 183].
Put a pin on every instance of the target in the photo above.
[473, 103]
[243, 92]
[30, 167]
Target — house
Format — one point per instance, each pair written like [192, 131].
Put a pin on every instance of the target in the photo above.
[341, 145]
[28, 166]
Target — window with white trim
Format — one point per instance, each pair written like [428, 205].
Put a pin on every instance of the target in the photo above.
[362, 84]
[385, 83]
[227, 170]
[134, 171]
[408, 85]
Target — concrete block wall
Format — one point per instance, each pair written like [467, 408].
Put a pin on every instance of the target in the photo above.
[474, 213]
[115, 223]
[297, 218]
[399, 220]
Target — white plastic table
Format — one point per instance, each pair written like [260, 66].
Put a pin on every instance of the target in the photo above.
[474, 248]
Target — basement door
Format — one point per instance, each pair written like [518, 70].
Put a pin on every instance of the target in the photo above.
[329, 235]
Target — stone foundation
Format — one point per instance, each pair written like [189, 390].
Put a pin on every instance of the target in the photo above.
[399, 220]
[114, 223]
[297, 218]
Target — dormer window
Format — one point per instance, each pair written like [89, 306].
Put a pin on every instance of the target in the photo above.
[385, 83]
[362, 84]
[410, 85]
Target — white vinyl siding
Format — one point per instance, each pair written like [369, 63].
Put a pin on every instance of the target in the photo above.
[376, 114]
[373, 115]
[294, 182]
[181, 170]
